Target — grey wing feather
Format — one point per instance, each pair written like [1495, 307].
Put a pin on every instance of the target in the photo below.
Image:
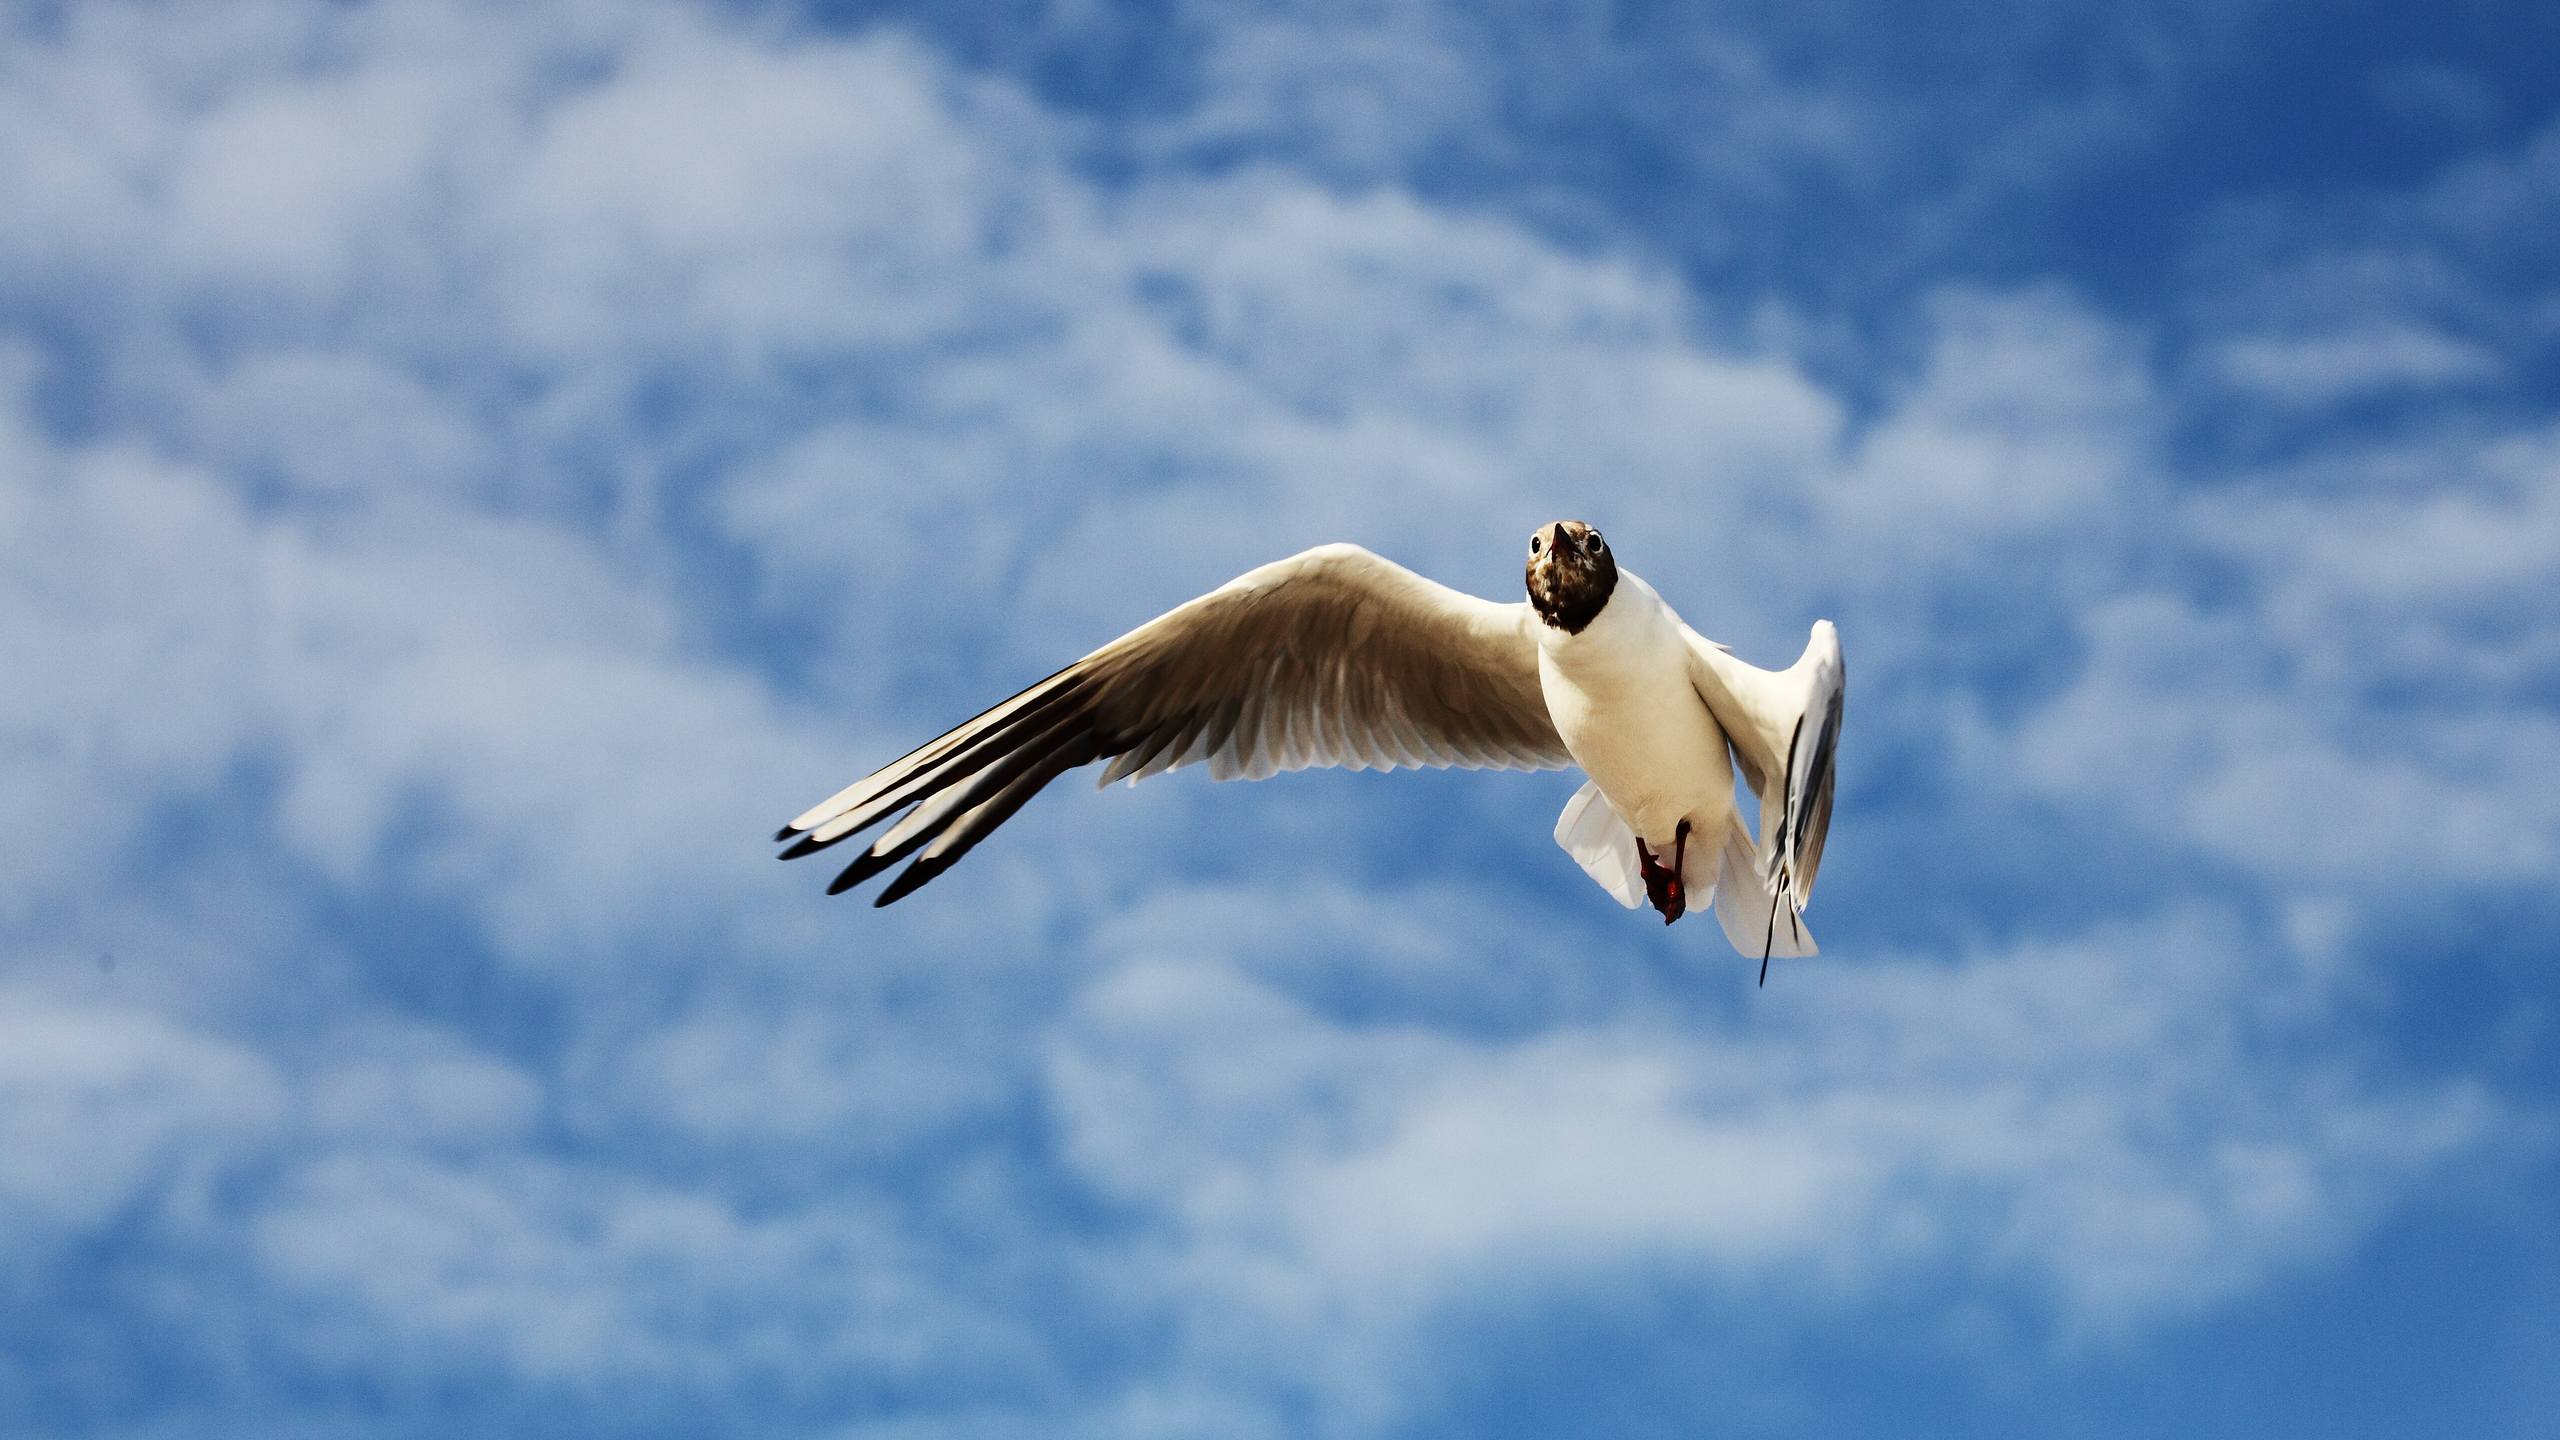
[1334, 657]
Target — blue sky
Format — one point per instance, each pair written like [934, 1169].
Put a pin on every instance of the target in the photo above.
[467, 472]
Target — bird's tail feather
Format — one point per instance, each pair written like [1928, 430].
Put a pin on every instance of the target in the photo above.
[1760, 924]
[1602, 844]
[1728, 877]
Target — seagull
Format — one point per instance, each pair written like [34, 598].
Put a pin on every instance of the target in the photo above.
[1337, 657]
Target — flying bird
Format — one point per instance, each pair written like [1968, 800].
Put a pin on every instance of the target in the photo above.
[1338, 657]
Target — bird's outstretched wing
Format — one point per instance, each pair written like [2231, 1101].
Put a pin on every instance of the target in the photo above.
[1330, 657]
[1785, 729]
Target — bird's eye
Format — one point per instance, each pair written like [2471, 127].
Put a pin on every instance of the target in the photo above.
[1536, 543]
[1592, 543]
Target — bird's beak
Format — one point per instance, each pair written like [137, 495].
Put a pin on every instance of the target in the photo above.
[1555, 538]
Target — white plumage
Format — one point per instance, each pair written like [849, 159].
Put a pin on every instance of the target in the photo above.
[1337, 657]
[1650, 710]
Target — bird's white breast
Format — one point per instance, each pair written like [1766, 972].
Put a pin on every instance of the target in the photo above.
[1620, 695]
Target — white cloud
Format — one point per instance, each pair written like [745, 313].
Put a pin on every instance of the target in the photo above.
[2031, 415]
[2244, 727]
[167, 630]
[288, 186]
[1369, 89]
[1563, 1155]
[835, 210]
[2327, 369]
[129, 589]
[2083, 1119]
[325, 424]
[401, 1089]
[843, 1077]
[2420, 292]
[104, 1108]
[585, 1280]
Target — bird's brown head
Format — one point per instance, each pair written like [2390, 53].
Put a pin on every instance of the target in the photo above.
[1571, 574]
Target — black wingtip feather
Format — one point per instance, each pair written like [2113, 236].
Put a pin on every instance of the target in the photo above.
[864, 866]
[805, 845]
[785, 833]
[910, 880]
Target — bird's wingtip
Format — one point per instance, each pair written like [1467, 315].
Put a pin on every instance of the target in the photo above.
[909, 881]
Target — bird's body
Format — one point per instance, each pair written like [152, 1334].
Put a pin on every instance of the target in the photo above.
[1336, 657]
[1620, 695]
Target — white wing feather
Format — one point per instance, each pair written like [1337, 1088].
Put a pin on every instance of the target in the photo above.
[1785, 729]
[1602, 844]
[1330, 657]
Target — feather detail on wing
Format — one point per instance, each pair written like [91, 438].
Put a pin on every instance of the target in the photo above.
[1333, 657]
[1784, 726]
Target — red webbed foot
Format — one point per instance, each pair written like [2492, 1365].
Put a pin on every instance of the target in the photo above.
[1662, 882]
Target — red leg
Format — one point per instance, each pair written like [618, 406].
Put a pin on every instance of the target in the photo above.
[1662, 884]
